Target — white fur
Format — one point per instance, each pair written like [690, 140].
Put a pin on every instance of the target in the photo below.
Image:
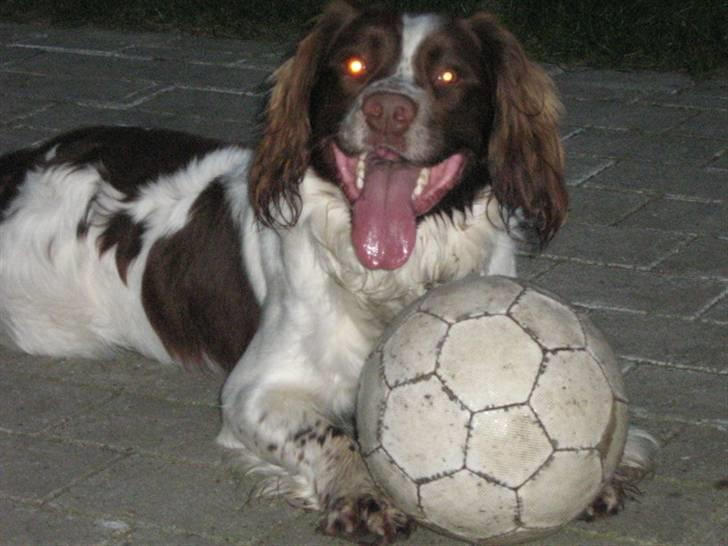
[330, 310]
[415, 29]
[50, 282]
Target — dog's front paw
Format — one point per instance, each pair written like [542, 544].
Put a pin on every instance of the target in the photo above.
[608, 503]
[366, 518]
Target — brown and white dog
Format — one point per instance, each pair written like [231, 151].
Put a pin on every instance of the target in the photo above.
[398, 152]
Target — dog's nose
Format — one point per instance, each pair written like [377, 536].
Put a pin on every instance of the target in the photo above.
[389, 113]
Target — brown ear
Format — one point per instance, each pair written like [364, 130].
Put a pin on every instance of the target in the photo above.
[525, 156]
[282, 155]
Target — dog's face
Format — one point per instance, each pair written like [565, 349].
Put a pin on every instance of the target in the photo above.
[398, 117]
[412, 115]
[412, 85]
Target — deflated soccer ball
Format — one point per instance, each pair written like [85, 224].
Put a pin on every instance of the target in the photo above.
[491, 411]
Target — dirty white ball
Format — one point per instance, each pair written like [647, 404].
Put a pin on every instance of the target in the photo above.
[491, 411]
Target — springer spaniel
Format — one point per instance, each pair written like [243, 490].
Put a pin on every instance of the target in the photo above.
[398, 152]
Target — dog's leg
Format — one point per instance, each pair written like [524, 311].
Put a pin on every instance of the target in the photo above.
[638, 461]
[311, 459]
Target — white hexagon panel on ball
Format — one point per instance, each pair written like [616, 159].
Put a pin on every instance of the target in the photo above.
[489, 362]
[408, 420]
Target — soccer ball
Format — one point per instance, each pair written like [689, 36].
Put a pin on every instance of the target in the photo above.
[491, 412]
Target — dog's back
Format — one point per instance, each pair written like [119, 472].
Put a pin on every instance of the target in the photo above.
[94, 218]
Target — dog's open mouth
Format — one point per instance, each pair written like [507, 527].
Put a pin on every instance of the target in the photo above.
[387, 194]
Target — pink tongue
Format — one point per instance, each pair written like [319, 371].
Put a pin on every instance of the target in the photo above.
[384, 225]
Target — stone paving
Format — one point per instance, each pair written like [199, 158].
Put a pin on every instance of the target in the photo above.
[121, 451]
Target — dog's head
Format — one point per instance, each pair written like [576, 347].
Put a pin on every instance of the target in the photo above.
[411, 115]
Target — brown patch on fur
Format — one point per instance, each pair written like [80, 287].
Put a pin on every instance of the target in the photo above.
[194, 290]
[525, 154]
[283, 153]
[126, 236]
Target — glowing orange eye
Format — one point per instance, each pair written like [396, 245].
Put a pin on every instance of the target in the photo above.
[355, 66]
[447, 77]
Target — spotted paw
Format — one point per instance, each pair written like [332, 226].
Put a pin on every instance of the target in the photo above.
[609, 502]
[368, 519]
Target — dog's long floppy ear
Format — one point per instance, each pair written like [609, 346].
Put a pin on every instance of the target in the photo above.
[282, 155]
[525, 156]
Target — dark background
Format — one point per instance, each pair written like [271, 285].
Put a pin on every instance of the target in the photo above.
[686, 35]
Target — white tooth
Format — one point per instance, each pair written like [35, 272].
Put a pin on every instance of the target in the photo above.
[360, 171]
[421, 182]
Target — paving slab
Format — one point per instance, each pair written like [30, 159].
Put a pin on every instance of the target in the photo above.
[695, 454]
[229, 105]
[720, 163]
[126, 372]
[698, 182]
[24, 524]
[675, 214]
[670, 148]
[62, 116]
[176, 495]
[597, 287]
[710, 124]
[19, 85]
[718, 312]
[603, 207]
[532, 267]
[618, 115]
[150, 534]
[12, 110]
[35, 468]
[700, 395]
[9, 56]
[205, 51]
[670, 341]
[703, 256]
[120, 451]
[161, 70]
[81, 39]
[20, 136]
[626, 86]
[32, 404]
[614, 245]
[707, 95]
[580, 168]
[164, 428]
